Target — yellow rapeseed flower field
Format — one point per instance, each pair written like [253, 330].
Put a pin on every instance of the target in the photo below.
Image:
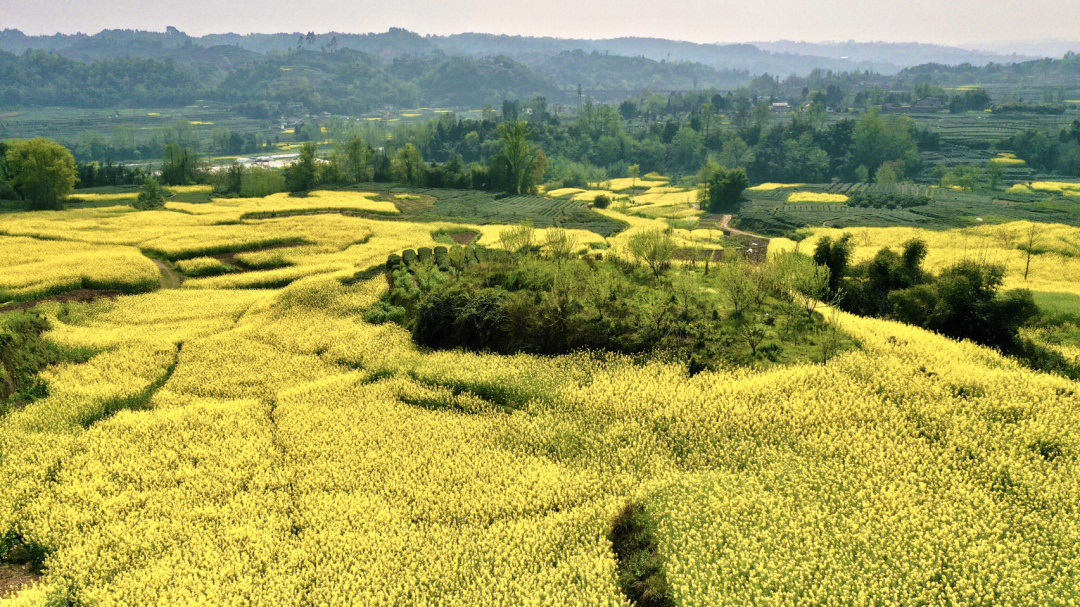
[817, 197]
[768, 187]
[1055, 267]
[31, 268]
[250, 439]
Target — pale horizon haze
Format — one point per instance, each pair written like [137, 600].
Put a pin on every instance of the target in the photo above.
[932, 21]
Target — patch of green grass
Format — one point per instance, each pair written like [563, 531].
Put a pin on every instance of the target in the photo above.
[1057, 303]
[484, 208]
[642, 578]
[446, 235]
[23, 355]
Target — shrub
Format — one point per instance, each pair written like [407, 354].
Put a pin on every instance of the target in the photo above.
[517, 239]
[602, 201]
[151, 196]
[384, 312]
[258, 182]
[655, 248]
[508, 304]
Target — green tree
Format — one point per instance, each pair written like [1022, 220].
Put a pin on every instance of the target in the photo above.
[151, 196]
[525, 163]
[302, 175]
[965, 178]
[995, 174]
[408, 166]
[42, 172]
[234, 178]
[179, 165]
[877, 140]
[655, 248]
[518, 238]
[890, 172]
[721, 188]
[736, 153]
[804, 280]
[834, 255]
[687, 148]
[4, 177]
[560, 243]
[355, 157]
[963, 302]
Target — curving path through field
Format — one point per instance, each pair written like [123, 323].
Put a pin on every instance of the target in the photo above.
[725, 220]
[170, 278]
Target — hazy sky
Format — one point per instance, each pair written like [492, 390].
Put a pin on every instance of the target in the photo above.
[941, 21]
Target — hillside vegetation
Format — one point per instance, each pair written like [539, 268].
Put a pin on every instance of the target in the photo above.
[261, 435]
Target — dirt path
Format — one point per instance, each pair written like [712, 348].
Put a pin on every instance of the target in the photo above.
[170, 278]
[78, 295]
[756, 245]
[724, 224]
[13, 578]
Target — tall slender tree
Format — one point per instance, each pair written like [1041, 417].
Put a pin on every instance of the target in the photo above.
[525, 163]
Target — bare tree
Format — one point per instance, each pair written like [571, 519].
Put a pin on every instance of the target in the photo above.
[1030, 248]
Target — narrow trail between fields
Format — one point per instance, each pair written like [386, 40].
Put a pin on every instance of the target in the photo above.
[756, 245]
[725, 225]
[170, 278]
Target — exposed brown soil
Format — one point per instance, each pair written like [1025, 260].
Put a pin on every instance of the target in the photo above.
[305, 212]
[754, 247]
[78, 295]
[13, 578]
[464, 238]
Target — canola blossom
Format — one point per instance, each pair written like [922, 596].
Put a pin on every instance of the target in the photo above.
[1054, 265]
[31, 268]
[248, 439]
[822, 197]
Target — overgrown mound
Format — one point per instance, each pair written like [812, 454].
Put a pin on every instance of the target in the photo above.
[489, 300]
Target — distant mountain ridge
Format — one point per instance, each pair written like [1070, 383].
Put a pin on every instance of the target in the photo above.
[897, 54]
[781, 58]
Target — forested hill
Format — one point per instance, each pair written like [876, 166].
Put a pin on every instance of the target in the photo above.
[782, 58]
[342, 81]
[355, 73]
[1046, 72]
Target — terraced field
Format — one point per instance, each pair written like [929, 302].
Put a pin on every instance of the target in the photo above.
[483, 208]
[769, 211]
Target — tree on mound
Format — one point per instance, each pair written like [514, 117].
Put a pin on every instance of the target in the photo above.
[721, 188]
[654, 248]
[151, 197]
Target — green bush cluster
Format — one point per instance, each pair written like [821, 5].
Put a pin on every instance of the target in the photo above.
[887, 200]
[962, 301]
[489, 300]
[23, 354]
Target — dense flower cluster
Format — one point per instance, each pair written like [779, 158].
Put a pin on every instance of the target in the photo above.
[31, 268]
[268, 447]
